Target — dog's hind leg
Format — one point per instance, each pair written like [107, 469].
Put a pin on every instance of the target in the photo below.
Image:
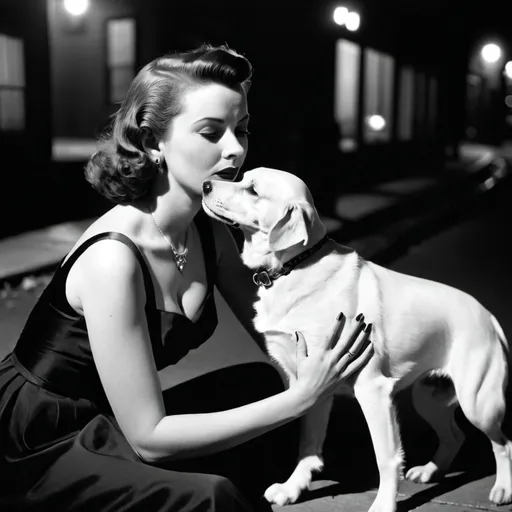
[480, 381]
[313, 429]
[435, 402]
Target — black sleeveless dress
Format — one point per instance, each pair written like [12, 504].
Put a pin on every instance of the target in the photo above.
[60, 445]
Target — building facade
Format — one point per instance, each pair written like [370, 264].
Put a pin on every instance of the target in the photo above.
[342, 109]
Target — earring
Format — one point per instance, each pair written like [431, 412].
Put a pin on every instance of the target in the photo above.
[159, 165]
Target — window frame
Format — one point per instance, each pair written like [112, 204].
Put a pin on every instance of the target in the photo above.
[14, 84]
[109, 67]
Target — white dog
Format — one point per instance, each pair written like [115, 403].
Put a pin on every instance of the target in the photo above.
[420, 328]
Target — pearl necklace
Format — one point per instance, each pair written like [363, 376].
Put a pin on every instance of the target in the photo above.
[179, 257]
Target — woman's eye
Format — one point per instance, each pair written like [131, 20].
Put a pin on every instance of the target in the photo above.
[209, 135]
[244, 133]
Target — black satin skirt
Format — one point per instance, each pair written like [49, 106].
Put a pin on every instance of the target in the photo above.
[62, 454]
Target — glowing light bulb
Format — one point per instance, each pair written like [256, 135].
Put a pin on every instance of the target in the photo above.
[491, 53]
[340, 15]
[76, 7]
[353, 21]
[376, 122]
[508, 69]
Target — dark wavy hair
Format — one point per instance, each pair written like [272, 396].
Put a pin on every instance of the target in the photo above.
[121, 170]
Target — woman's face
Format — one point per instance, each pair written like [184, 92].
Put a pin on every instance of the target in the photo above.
[208, 137]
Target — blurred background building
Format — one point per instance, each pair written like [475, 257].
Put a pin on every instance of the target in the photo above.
[345, 94]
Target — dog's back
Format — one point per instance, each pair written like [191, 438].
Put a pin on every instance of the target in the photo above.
[418, 325]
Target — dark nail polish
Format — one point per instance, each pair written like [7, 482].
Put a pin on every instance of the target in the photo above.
[340, 316]
[368, 328]
[359, 317]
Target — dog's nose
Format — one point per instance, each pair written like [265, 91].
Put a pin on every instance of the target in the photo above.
[207, 187]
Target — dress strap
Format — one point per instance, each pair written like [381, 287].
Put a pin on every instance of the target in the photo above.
[64, 268]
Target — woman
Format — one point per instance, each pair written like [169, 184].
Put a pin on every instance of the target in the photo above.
[84, 425]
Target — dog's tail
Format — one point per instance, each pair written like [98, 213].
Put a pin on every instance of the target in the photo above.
[501, 336]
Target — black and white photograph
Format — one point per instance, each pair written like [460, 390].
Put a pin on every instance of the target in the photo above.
[255, 256]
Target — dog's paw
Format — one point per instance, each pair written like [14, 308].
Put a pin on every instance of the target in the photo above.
[500, 495]
[423, 474]
[282, 494]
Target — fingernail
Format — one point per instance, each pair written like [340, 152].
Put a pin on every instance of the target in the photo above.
[359, 317]
[340, 316]
[368, 328]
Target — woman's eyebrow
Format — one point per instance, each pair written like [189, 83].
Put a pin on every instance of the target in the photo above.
[219, 120]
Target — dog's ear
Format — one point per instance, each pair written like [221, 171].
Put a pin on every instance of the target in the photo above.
[292, 228]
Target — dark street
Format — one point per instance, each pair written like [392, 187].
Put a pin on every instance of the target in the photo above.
[474, 256]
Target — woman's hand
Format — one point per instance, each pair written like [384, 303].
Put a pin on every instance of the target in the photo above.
[344, 353]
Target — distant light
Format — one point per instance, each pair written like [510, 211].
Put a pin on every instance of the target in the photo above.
[491, 53]
[76, 7]
[340, 15]
[353, 21]
[487, 184]
[508, 69]
[508, 101]
[347, 145]
[376, 122]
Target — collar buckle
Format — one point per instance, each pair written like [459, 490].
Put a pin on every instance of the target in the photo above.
[262, 278]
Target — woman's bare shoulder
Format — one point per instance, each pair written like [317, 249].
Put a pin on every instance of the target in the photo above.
[107, 262]
[110, 222]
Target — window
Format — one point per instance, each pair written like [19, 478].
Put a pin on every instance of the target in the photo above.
[120, 57]
[346, 92]
[474, 87]
[378, 96]
[421, 106]
[406, 105]
[12, 84]
[432, 106]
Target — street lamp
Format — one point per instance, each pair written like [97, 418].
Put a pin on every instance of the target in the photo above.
[508, 69]
[76, 7]
[342, 16]
[491, 53]
[353, 21]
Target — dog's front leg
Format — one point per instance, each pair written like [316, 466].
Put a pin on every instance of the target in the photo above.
[375, 398]
[313, 429]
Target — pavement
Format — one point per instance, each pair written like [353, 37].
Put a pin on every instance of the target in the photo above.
[381, 223]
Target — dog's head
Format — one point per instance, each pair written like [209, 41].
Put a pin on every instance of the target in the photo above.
[274, 209]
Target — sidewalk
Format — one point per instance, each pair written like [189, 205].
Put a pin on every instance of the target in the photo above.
[384, 222]
[373, 222]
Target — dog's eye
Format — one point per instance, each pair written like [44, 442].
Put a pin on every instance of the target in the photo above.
[252, 190]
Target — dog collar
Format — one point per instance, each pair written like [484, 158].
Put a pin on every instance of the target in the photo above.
[265, 278]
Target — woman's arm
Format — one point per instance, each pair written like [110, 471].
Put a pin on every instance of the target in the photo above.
[112, 296]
